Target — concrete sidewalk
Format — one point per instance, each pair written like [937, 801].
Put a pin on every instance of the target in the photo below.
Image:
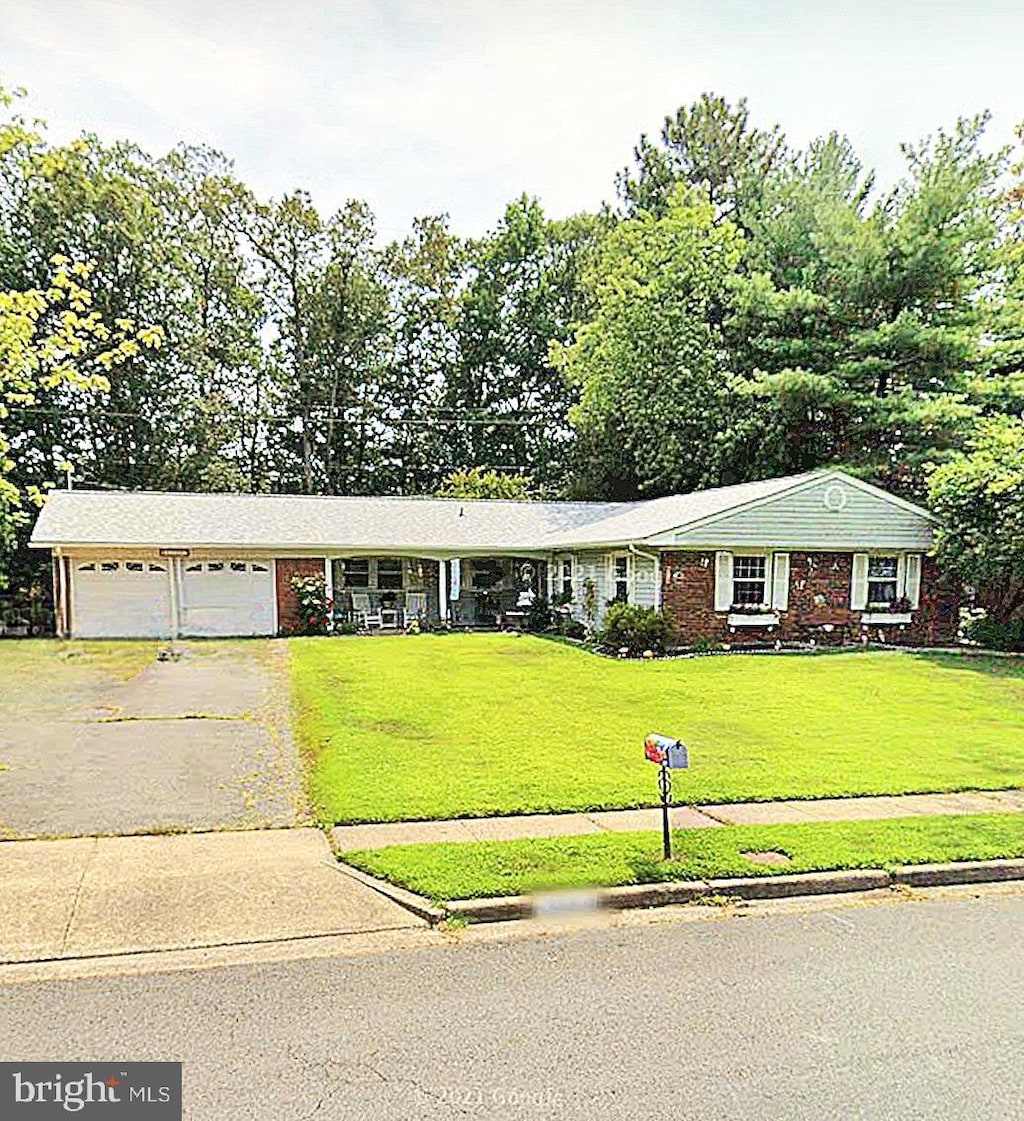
[92, 896]
[524, 826]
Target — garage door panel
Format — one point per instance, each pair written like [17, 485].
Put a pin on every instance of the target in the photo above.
[227, 597]
[123, 598]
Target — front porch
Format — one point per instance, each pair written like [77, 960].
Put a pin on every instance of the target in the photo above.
[389, 593]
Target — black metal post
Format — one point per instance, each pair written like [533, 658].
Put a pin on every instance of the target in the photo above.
[665, 789]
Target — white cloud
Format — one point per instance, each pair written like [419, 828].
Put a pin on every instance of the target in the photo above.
[424, 105]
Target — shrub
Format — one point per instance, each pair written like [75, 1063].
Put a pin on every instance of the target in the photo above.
[636, 629]
[313, 605]
[995, 635]
[539, 616]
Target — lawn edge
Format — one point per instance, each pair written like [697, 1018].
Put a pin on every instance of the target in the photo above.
[736, 889]
[510, 908]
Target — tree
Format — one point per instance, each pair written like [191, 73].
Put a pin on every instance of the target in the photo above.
[50, 337]
[979, 494]
[858, 335]
[478, 483]
[505, 406]
[710, 145]
[649, 360]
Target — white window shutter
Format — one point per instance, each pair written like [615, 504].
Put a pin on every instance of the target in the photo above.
[723, 581]
[913, 580]
[780, 581]
[859, 582]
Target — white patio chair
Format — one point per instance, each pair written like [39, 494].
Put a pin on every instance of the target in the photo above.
[415, 605]
[366, 614]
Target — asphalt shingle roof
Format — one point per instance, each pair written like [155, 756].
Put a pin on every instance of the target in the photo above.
[169, 520]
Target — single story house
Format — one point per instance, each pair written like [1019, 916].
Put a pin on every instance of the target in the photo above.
[821, 556]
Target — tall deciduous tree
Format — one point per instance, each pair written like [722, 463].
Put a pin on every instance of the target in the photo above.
[649, 360]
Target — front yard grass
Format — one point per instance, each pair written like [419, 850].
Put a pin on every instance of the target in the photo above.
[471, 725]
[494, 868]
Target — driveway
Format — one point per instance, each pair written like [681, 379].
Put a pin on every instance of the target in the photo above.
[201, 742]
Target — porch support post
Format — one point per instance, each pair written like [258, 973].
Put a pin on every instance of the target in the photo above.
[173, 598]
[60, 613]
[443, 588]
[329, 590]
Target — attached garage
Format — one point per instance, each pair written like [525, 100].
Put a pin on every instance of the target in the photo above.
[120, 598]
[227, 597]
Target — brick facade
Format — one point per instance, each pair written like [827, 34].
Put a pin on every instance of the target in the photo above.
[287, 604]
[819, 605]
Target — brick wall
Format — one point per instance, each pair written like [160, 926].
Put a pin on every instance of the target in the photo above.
[819, 599]
[287, 604]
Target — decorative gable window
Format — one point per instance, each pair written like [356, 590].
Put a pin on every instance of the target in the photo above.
[749, 581]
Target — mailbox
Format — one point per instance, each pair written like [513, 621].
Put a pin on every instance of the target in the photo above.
[666, 751]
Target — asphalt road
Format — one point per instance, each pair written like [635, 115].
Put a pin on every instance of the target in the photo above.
[898, 1010]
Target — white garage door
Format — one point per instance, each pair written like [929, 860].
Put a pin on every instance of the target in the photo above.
[120, 599]
[227, 597]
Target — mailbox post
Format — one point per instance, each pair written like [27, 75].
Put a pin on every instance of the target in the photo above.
[670, 754]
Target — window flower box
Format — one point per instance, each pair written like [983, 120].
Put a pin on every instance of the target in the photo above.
[885, 618]
[753, 619]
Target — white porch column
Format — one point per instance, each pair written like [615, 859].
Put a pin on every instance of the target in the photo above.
[443, 586]
[329, 590]
[174, 599]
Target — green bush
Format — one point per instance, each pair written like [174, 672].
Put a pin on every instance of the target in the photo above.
[539, 617]
[313, 604]
[637, 629]
[993, 635]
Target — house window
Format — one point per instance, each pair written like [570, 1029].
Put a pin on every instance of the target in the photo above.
[749, 580]
[486, 573]
[882, 580]
[389, 572]
[215, 566]
[357, 572]
[564, 582]
[620, 579]
[237, 566]
[133, 566]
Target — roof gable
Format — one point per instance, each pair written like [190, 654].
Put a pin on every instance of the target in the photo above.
[828, 510]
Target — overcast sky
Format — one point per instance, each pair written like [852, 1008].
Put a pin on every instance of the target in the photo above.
[423, 106]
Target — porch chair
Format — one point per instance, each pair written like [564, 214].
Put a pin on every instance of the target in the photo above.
[415, 606]
[366, 614]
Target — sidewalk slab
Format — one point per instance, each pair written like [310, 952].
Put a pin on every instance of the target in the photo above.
[40, 884]
[793, 811]
[117, 895]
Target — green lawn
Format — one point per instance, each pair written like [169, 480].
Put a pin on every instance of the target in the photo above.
[469, 725]
[491, 868]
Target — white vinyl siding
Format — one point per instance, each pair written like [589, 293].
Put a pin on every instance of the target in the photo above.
[645, 588]
[829, 516]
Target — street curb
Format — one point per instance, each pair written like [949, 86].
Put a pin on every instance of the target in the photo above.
[417, 904]
[504, 909]
[965, 872]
